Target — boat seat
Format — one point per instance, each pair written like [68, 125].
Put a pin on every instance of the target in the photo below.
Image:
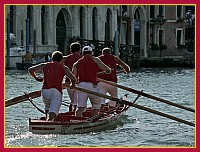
[69, 113]
[105, 108]
[87, 114]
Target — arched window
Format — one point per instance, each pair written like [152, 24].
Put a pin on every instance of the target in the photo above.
[94, 24]
[137, 14]
[137, 27]
[60, 31]
[44, 24]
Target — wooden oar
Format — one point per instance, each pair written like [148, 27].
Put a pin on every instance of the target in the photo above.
[31, 101]
[104, 72]
[22, 98]
[135, 105]
[146, 95]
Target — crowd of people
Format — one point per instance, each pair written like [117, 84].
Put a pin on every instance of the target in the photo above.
[80, 69]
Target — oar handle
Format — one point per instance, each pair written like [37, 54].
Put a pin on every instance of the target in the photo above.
[146, 95]
[134, 105]
[104, 72]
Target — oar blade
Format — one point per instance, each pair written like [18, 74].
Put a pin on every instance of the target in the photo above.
[22, 98]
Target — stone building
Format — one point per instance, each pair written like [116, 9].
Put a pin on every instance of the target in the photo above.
[133, 31]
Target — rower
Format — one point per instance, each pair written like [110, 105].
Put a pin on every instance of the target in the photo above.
[54, 73]
[86, 69]
[111, 61]
[69, 60]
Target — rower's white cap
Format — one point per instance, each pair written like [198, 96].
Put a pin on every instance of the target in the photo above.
[87, 49]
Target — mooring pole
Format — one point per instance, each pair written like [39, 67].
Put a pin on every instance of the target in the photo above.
[8, 41]
[27, 34]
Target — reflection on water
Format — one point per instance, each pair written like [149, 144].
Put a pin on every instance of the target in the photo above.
[141, 128]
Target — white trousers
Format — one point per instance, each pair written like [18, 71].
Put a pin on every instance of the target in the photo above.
[73, 96]
[106, 88]
[83, 97]
[52, 99]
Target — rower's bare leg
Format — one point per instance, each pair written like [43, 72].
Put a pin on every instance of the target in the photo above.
[75, 107]
[102, 107]
[79, 111]
[51, 116]
[46, 114]
[70, 107]
[95, 112]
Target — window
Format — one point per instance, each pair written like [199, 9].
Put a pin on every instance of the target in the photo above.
[178, 11]
[94, 24]
[81, 22]
[160, 37]
[108, 26]
[30, 22]
[160, 10]
[137, 14]
[124, 10]
[179, 37]
[152, 11]
[12, 16]
[44, 24]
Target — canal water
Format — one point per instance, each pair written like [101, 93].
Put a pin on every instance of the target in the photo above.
[141, 128]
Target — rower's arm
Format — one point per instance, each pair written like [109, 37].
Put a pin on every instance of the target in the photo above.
[122, 64]
[102, 66]
[70, 75]
[37, 68]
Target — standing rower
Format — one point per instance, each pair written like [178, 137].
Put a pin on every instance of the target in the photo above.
[86, 69]
[69, 60]
[111, 61]
[53, 74]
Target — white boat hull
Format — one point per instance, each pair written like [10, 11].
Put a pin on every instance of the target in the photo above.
[76, 126]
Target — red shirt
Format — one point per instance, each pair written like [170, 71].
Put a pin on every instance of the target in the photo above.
[87, 70]
[70, 60]
[53, 76]
[109, 60]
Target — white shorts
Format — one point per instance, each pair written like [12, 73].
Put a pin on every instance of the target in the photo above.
[83, 97]
[73, 96]
[52, 99]
[106, 88]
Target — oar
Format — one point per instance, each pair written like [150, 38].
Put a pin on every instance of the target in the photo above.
[146, 95]
[22, 98]
[31, 101]
[135, 105]
[104, 72]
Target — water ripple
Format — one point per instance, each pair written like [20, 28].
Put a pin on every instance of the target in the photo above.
[141, 128]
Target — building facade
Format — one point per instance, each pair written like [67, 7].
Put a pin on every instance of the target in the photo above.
[132, 31]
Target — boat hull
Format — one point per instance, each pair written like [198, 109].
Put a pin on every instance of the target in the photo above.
[76, 126]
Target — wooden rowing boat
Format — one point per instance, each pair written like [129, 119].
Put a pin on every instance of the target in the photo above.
[68, 123]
